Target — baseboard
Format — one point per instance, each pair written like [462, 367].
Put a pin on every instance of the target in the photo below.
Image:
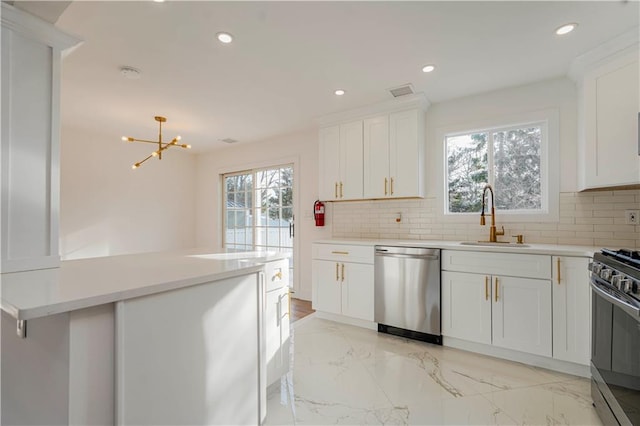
[347, 320]
[525, 358]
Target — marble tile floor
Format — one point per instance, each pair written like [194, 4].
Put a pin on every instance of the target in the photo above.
[352, 376]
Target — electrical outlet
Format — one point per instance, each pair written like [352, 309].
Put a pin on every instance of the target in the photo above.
[632, 217]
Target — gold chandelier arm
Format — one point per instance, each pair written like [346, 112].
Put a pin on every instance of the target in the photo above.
[143, 140]
[139, 163]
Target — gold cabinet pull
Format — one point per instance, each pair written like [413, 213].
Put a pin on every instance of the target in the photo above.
[340, 252]
[337, 272]
[486, 288]
[289, 293]
[496, 289]
[277, 275]
[385, 186]
[335, 191]
[343, 272]
[558, 268]
[391, 186]
[341, 194]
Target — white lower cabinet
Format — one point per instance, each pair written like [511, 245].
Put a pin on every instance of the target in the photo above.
[571, 309]
[466, 306]
[508, 312]
[343, 280]
[344, 288]
[277, 319]
[521, 313]
[534, 304]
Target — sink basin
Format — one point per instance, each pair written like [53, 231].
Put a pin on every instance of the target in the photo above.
[489, 244]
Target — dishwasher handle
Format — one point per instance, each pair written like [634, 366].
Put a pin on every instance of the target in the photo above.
[408, 252]
[409, 256]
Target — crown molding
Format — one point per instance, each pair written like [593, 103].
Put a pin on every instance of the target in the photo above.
[36, 28]
[624, 43]
[414, 101]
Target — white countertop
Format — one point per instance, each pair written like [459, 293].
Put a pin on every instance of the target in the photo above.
[548, 249]
[78, 284]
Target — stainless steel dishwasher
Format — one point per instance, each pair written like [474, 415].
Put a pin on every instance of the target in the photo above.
[407, 292]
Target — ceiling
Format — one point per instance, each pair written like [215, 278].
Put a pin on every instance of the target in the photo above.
[287, 59]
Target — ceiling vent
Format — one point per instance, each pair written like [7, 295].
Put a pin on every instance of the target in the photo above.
[405, 89]
[228, 140]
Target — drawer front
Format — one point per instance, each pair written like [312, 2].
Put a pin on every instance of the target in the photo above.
[276, 274]
[343, 253]
[509, 264]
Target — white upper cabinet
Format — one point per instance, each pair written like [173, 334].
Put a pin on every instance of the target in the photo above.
[376, 157]
[340, 174]
[609, 103]
[406, 153]
[379, 156]
[394, 155]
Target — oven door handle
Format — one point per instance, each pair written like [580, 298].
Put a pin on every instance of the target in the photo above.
[630, 309]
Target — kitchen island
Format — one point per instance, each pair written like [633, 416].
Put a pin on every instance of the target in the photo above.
[157, 338]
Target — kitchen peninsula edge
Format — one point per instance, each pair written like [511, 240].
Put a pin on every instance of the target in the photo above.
[92, 320]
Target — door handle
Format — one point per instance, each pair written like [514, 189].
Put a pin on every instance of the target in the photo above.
[341, 195]
[496, 289]
[558, 269]
[391, 186]
[337, 271]
[343, 272]
[335, 191]
[385, 186]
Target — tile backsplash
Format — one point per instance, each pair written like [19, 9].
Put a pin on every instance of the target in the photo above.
[586, 218]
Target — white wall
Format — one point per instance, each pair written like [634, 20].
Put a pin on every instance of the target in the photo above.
[300, 148]
[106, 208]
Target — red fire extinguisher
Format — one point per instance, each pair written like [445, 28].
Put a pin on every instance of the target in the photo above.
[318, 212]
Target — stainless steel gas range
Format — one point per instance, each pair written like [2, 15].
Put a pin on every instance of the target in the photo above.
[615, 338]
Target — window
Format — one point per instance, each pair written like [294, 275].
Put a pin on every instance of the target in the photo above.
[511, 159]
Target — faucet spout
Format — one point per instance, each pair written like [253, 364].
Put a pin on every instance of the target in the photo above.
[493, 232]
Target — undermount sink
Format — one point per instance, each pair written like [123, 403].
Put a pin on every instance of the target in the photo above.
[490, 244]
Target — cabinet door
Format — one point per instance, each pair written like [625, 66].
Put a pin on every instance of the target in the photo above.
[522, 314]
[350, 185]
[357, 290]
[329, 164]
[466, 306]
[611, 119]
[571, 309]
[406, 153]
[277, 333]
[327, 286]
[376, 157]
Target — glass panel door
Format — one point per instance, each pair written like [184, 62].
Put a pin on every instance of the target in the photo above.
[258, 211]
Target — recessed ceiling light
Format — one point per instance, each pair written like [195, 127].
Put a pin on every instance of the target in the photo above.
[224, 37]
[428, 68]
[566, 29]
[158, 1]
[339, 92]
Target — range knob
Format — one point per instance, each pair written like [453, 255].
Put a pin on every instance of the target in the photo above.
[606, 274]
[596, 268]
[616, 281]
[626, 285]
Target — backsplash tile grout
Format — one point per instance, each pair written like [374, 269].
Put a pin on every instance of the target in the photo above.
[591, 219]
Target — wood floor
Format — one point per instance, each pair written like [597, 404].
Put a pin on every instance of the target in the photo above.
[300, 309]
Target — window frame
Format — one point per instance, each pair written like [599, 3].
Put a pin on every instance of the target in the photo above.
[548, 120]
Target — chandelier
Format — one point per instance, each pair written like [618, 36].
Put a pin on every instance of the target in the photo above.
[161, 146]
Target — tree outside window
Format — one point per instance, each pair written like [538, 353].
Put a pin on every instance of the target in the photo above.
[509, 159]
